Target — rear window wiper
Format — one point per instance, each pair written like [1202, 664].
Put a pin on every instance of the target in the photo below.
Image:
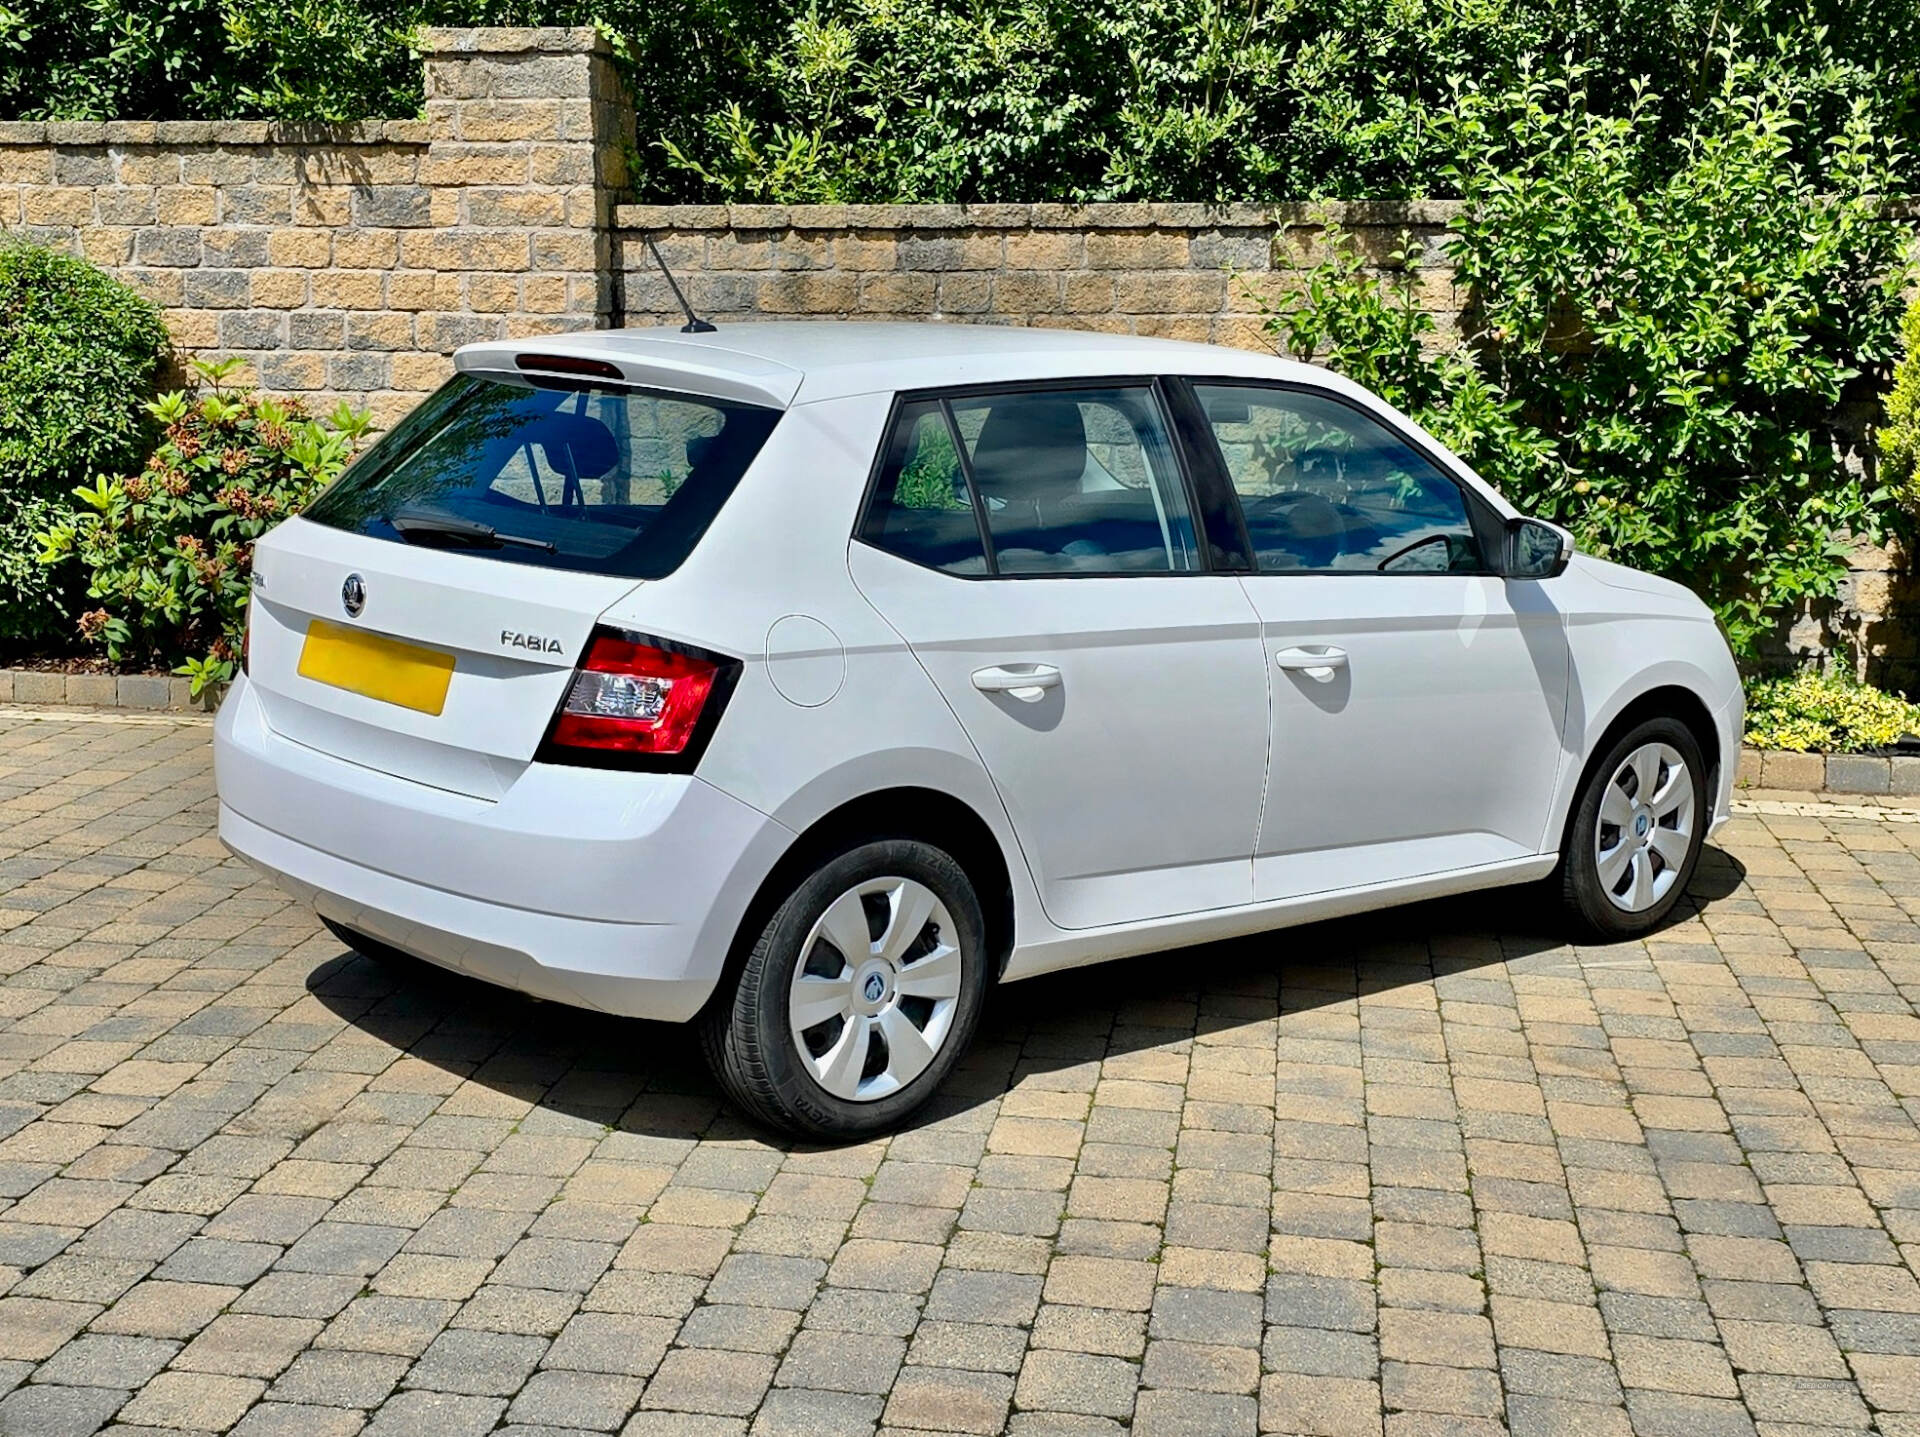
[411, 519]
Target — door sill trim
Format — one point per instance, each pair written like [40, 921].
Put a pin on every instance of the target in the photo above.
[1125, 940]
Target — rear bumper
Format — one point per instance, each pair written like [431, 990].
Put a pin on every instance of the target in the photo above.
[613, 891]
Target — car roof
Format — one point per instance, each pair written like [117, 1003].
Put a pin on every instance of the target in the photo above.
[800, 361]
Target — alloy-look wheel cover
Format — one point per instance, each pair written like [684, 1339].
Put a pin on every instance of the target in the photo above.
[876, 989]
[1645, 827]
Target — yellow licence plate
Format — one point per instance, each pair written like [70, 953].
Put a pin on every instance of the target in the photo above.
[380, 668]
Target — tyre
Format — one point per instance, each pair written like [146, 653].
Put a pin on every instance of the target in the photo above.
[858, 995]
[1635, 835]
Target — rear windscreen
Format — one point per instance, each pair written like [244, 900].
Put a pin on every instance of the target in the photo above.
[601, 479]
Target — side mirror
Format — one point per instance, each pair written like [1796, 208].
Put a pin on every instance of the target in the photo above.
[1536, 549]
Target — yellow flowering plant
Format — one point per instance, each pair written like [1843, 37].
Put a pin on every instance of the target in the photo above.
[1826, 713]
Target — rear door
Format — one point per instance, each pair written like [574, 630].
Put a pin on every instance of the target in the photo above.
[425, 617]
[1036, 549]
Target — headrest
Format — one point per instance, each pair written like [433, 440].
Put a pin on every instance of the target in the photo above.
[703, 449]
[576, 439]
[1032, 445]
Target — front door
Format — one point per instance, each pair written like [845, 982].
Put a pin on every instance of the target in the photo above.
[1036, 549]
[1418, 698]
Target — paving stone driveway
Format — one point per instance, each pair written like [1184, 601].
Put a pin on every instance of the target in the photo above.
[1431, 1172]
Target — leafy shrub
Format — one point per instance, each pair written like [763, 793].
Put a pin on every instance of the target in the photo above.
[1900, 436]
[78, 354]
[902, 100]
[1827, 713]
[169, 550]
[34, 600]
[1655, 358]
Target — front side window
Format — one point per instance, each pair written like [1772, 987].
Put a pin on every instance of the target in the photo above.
[604, 479]
[1057, 482]
[1325, 488]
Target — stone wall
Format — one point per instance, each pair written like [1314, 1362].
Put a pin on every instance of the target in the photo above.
[1872, 626]
[1184, 271]
[347, 262]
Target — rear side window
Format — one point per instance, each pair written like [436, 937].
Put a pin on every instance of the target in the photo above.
[1061, 482]
[601, 479]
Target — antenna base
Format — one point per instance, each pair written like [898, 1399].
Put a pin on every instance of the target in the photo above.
[698, 326]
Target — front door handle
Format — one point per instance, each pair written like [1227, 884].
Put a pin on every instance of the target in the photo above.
[1316, 661]
[1027, 682]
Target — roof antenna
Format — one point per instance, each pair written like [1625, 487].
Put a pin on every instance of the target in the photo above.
[695, 324]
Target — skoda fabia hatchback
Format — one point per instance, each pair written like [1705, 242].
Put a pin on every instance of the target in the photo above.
[806, 681]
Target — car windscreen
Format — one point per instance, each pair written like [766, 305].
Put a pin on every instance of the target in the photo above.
[599, 478]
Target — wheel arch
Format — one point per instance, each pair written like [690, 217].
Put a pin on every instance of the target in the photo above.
[930, 815]
[1664, 700]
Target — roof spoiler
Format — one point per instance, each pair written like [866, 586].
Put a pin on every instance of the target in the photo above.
[637, 358]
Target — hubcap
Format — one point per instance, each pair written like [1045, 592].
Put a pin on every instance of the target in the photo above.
[875, 991]
[1645, 827]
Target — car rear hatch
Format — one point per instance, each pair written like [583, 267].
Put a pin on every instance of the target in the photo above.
[368, 690]
[425, 617]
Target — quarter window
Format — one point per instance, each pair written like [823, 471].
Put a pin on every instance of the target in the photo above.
[1325, 488]
[923, 508]
[1062, 482]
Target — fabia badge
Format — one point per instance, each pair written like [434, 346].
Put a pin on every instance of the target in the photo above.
[353, 595]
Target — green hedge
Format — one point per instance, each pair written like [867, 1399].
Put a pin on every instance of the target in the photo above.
[79, 353]
[1007, 100]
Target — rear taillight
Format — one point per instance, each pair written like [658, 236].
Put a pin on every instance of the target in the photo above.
[246, 636]
[638, 702]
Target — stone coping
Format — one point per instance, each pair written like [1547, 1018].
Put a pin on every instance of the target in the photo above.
[1828, 772]
[1114, 216]
[437, 40]
[177, 133]
[117, 691]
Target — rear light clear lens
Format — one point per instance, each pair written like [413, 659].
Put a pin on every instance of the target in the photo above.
[635, 699]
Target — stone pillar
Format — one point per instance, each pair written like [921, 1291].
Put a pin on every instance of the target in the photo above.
[529, 134]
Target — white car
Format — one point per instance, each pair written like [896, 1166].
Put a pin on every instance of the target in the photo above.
[808, 680]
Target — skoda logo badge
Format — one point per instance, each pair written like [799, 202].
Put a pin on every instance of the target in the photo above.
[875, 986]
[353, 595]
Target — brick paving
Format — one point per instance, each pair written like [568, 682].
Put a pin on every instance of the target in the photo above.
[1425, 1172]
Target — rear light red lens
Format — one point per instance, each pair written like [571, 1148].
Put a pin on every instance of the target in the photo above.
[630, 697]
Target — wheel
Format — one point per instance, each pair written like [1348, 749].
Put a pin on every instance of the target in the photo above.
[858, 995]
[1636, 831]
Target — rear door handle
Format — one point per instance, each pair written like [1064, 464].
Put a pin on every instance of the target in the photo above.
[1026, 682]
[1316, 661]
